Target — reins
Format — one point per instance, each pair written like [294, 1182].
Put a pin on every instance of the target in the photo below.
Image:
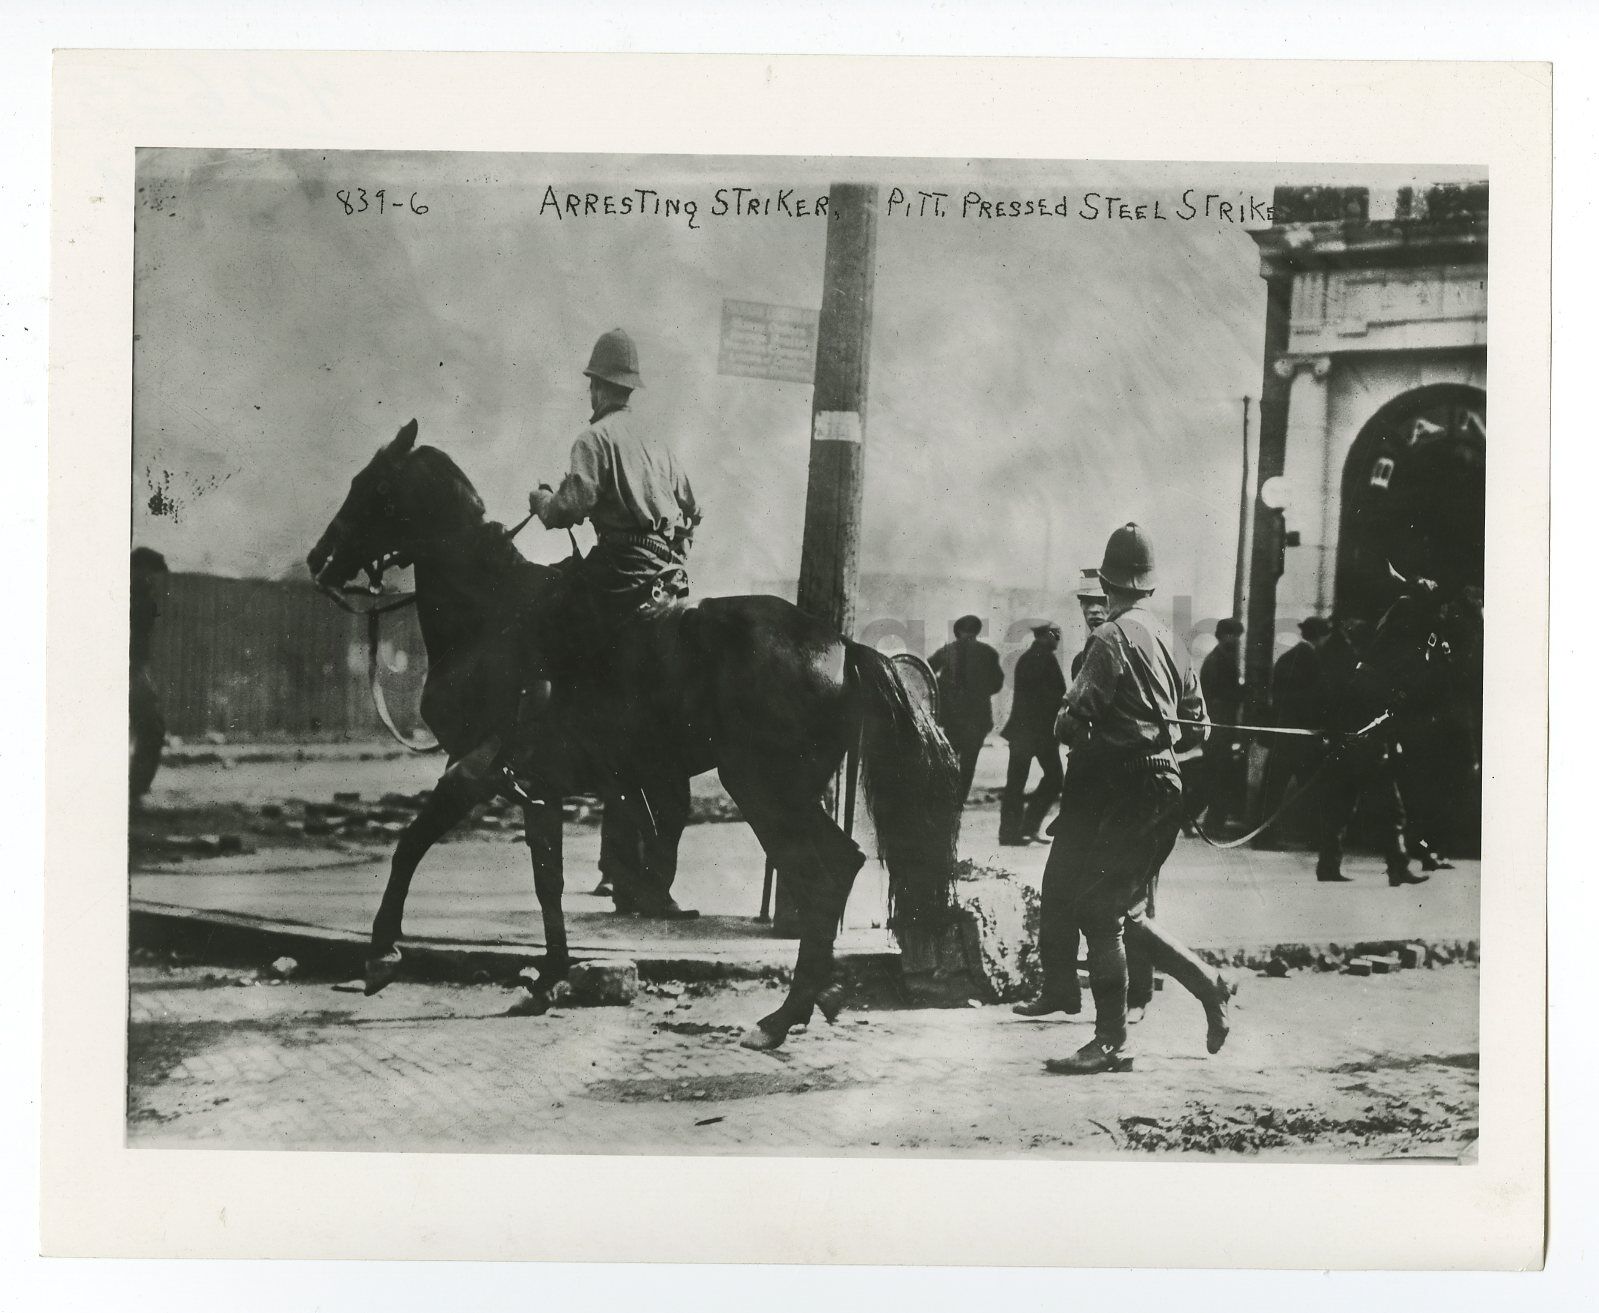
[374, 620]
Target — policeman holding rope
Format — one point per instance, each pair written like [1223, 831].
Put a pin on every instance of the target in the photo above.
[1121, 809]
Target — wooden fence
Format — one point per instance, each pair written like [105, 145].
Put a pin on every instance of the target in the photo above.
[257, 659]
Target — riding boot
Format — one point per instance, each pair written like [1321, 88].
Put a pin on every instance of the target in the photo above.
[1107, 981]
[1094, 1057]
[1398, 864]
[1182, 964]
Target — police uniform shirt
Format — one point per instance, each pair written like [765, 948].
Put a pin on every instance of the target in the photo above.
[623, 483]
[1133, 676]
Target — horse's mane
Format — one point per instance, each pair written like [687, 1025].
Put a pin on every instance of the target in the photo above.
[442, 473]
[494, 570]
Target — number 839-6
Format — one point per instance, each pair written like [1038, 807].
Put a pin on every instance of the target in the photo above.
[357, 200]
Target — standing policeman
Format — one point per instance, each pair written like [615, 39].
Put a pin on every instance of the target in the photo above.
[1122, 806]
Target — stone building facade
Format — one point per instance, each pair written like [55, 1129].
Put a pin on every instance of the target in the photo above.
[1373, 422]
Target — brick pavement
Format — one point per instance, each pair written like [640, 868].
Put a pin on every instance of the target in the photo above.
[1320, 1066]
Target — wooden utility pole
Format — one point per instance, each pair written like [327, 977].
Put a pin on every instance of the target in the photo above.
[1246, 537]
[830, 553]
[1266, 551]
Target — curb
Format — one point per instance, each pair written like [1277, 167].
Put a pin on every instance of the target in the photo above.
[234, 939]
[228, 938]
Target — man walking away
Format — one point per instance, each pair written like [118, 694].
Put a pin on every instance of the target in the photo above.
[1030, 731]
[969, 675]
[1121, 806]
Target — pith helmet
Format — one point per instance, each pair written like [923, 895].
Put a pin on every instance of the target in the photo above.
[1129, 560]
[615, 359]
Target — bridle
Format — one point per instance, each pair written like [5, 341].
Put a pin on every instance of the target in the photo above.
[382, 605]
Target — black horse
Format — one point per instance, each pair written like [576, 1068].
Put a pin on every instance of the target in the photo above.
[751, 687]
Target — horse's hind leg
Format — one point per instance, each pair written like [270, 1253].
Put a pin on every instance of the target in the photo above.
[821, 861]
[457, 792]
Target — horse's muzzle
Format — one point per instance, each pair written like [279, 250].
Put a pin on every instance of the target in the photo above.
[323, 559]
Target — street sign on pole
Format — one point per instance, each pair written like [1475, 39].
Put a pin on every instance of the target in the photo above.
[768, 341]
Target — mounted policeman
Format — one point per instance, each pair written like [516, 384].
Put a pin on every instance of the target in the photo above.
[635, 493]
[628, 485]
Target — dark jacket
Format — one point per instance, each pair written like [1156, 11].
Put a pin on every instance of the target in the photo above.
[1039, 688]
[1295, 687]
[1224, 692]
[1336, 664]
[969, 675]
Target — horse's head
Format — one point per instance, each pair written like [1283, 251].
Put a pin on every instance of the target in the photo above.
[405, 501]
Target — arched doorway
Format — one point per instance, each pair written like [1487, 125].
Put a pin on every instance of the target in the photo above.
[1414, 497]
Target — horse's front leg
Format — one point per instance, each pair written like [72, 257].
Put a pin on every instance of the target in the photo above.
[457, 792]
[543, 828]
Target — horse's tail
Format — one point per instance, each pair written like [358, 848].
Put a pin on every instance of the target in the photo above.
[911, 780]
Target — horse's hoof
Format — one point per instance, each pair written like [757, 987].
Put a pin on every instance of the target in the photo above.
[381, 971]
[761, 1039]
[540, 998]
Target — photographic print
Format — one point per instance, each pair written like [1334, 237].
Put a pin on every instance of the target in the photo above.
[830, 656]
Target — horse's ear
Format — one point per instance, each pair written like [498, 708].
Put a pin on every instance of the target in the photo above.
[1393, 572]
[404, 440]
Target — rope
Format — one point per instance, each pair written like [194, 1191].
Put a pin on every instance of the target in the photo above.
[1293, 796]
[1245, 729]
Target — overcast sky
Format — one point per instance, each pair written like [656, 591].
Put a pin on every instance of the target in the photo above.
[1077, 371]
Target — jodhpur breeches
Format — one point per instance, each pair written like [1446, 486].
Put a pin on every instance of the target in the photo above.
[1118, 822]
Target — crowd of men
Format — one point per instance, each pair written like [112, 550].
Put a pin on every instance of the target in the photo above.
[1307, 794]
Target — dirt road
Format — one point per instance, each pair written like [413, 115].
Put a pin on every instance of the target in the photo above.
[1319, 1066]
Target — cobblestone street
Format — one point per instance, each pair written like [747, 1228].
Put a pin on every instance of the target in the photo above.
[1319, 1065]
